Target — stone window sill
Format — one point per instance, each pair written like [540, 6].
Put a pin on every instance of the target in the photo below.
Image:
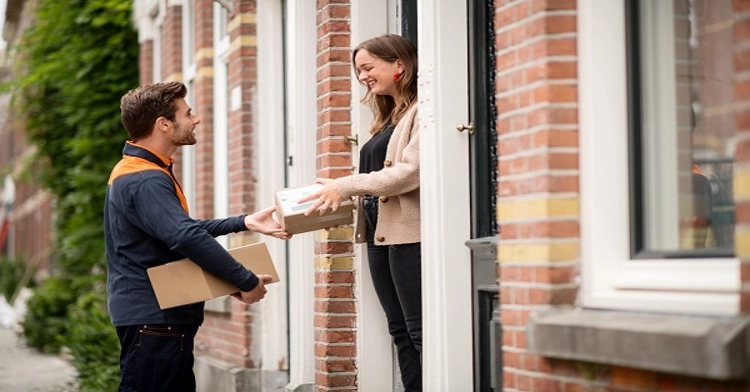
[714, 348]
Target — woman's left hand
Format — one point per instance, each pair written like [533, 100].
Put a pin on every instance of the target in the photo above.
[326, 197]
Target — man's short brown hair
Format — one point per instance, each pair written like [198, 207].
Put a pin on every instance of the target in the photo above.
[140, 108]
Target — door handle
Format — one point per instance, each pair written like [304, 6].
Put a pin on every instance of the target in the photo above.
[352, 139]
[462, 127]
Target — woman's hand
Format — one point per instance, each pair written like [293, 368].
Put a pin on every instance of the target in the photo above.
[326, 197]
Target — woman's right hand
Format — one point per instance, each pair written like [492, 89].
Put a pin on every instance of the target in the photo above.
[327, 197]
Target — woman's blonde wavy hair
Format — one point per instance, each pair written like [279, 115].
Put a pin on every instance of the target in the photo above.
[390, 48]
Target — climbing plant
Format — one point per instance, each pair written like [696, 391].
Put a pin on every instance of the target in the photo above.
[75, 61]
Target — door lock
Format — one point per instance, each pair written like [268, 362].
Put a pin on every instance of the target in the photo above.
[462, 127]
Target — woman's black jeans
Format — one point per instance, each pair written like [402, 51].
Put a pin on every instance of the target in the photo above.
[397, 276]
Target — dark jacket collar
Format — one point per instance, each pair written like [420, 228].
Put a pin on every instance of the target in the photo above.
[134, 150]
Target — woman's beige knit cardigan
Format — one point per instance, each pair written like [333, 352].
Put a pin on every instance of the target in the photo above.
[398, 181]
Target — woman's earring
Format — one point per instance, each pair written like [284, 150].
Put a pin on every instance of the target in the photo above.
[396, 76]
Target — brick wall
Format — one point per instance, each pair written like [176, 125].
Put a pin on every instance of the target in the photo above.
[538, 191]
[146, 62]
[243, 75]
[227, 336]
[171, 44]
[538, 172]
[335, 332]
[741, 53]
[32, 227]
[202, 94]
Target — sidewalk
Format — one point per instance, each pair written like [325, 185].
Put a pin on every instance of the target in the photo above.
[25, 370]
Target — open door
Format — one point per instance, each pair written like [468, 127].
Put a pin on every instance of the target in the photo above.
[483, 179]
[445, 189]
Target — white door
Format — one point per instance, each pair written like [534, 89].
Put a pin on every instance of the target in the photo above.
[446, 267]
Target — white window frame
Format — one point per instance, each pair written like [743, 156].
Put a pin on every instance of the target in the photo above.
[187, 161]
[220, 123]
[611, 279]
[269, 167]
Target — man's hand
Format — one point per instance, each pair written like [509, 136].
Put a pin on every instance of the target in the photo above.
[256, 294]
[263, 222]
[327, 197]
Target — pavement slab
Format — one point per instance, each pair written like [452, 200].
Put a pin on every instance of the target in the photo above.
[23, 369]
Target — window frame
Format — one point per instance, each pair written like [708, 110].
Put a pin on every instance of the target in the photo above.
[187, 160]
[221, 108]
[612, 277]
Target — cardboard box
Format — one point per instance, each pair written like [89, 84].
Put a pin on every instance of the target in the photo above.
[292, 214]
[183, 282]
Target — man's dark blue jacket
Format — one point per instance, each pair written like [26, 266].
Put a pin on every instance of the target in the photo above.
[146, 223]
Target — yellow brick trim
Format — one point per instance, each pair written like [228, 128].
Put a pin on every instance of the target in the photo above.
[336, 234]
[177, 76]
[245, 41]
[243, 18]
[334, 263]
[561, 251]
[742, 241]
[203, 54]
[741, 183]
[204, 72]
[536, 208]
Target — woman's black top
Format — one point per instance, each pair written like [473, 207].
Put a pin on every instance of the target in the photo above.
[372, 154]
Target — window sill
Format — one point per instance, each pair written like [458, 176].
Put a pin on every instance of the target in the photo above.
[707, 347]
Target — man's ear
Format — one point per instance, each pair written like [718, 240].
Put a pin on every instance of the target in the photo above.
[162, 124]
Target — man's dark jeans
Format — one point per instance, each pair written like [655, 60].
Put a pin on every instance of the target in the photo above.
[397, 276]
[157, 358]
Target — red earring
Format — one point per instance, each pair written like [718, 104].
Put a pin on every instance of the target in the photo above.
[396, 76]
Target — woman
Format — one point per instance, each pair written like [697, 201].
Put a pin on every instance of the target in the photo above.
[388, 181]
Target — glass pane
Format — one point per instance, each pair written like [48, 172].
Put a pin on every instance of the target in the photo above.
[688, 124]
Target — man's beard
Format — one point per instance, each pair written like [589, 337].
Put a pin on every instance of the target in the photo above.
[184, 138]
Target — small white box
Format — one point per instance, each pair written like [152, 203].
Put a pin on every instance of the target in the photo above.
[292, 214]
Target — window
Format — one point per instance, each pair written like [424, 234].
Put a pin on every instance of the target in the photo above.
[649, 109]
[682, 127]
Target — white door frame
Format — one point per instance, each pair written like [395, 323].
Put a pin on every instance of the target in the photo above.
[302, 118]
[269, 125]
[446, 268]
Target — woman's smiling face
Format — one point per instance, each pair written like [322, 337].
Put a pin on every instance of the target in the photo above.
[377, 73]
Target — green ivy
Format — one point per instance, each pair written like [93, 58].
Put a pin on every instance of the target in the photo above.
[13, 271]
[76, 59]
[92, 340]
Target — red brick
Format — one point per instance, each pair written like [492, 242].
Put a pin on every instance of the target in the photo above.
[335, 380]
[633, 378]
[742, 212]
[326, 320]
[334, 336]
[333, 292]
[334, 277]
[343, 307]
[334, 350]
[552, 5]
[335, 366]
[332, 145]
